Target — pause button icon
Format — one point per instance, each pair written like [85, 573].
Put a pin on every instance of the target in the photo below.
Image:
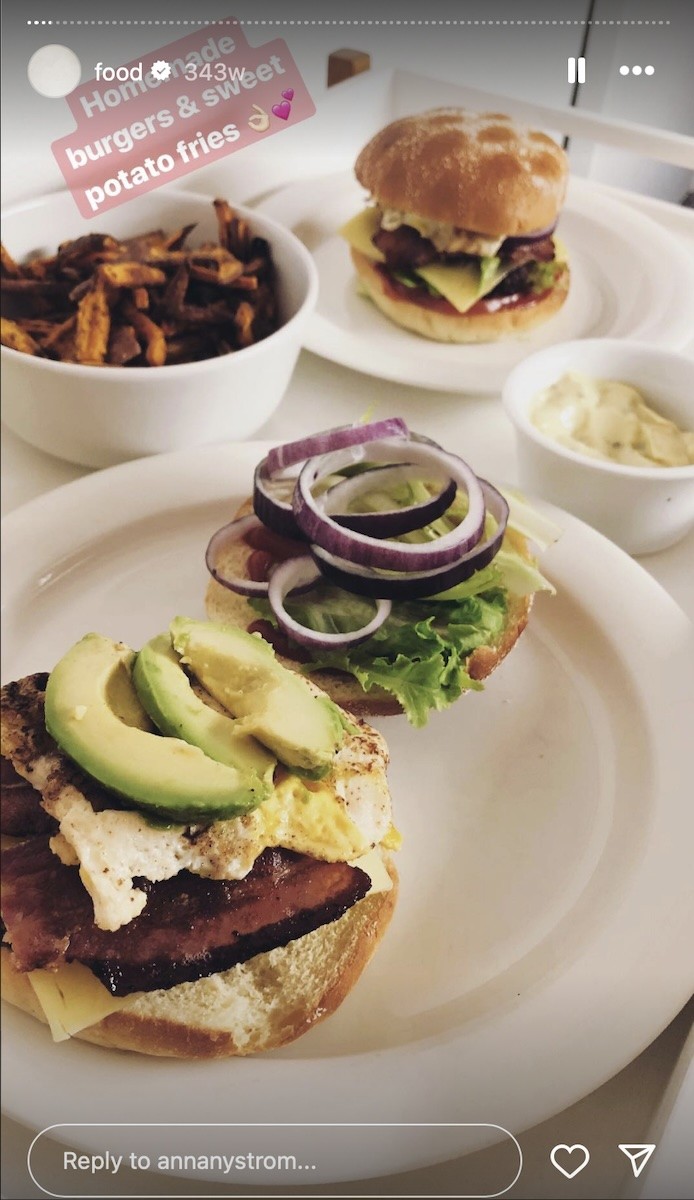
[576, 70]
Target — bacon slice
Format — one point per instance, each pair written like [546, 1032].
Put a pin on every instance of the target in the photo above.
[31, 751]
[21, 813]
[191, 927]
[404, 248]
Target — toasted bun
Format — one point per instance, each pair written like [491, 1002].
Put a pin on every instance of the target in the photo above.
[229, 608]
[258, 1005]
[459, 327]
[477, 171]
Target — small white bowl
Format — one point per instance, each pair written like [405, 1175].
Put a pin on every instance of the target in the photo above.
[98, 416]
[642, 509]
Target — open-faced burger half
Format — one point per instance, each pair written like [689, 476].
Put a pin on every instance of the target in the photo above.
[197, 862]
[380, 565]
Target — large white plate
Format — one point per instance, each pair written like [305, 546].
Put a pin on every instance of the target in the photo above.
[629, 278]
[540, 940]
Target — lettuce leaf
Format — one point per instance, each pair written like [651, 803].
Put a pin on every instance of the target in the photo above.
[417, 656]
[489, 265]
[526, 520]
[544, 275]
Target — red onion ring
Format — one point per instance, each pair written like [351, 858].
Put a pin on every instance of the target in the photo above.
[275, 513]
[386, 522]
[414, 585]
[302, 573]
[220, 541]
[291, 453]
[324, 531]
[537, 235]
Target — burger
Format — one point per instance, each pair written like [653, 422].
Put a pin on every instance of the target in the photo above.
[458, 241]
[177, 880]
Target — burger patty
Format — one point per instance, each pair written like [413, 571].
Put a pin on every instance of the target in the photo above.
[404, 249]
[517, 282]
[191, 926]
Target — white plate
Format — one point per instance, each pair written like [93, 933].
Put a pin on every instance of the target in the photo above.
[629, 278]
[540, 939]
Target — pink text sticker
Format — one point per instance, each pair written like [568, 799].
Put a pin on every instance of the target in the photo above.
[156, 119]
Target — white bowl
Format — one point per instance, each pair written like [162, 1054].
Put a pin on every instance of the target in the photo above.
[642, 509]
[98, 416]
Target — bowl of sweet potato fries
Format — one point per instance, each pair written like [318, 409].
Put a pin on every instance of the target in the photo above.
[179, 326]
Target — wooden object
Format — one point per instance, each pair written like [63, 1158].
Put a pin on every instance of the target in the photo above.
[345, 64]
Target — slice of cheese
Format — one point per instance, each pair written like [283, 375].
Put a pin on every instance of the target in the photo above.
[72, 999]
[462, 286]
[359, 232]
[373, 865]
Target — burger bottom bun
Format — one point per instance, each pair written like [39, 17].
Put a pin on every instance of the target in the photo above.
[255, 1006]
[461, 327]
[229, 608]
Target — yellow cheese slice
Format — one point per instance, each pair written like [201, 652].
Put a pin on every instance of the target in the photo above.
[72, 998]
[359, 232]
[375, 868]
[461, 286]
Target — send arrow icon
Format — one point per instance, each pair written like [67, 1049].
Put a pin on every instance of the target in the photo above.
[638, 1155]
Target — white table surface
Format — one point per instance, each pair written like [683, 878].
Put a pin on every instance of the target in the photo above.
[622, 1110]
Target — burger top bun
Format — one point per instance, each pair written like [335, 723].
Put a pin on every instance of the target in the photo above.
[476, 171]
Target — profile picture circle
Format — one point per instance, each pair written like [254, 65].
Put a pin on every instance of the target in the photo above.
[54, 71]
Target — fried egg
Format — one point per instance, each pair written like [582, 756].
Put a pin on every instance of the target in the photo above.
[337, 819]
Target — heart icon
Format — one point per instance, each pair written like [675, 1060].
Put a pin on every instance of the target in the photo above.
[289, 94]
[282, 110]
[570, 1154]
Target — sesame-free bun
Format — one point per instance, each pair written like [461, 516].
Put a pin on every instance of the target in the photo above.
[255, 1006]
[229, 608]
[459, 327]
[476, 171]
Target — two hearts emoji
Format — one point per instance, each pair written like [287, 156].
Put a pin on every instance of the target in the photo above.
[283, 110]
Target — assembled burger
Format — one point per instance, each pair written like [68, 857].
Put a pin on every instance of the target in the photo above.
[458, 241]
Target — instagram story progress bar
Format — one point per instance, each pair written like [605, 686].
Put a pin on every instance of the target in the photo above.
[576, 70]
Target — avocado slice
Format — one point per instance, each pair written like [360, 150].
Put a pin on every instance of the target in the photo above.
[274, 705]
[165, 692]
[165, 776]
[122, 699]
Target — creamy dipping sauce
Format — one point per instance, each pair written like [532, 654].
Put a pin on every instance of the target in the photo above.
[610, 420]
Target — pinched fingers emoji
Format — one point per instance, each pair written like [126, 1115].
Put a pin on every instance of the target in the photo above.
[259, 120]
